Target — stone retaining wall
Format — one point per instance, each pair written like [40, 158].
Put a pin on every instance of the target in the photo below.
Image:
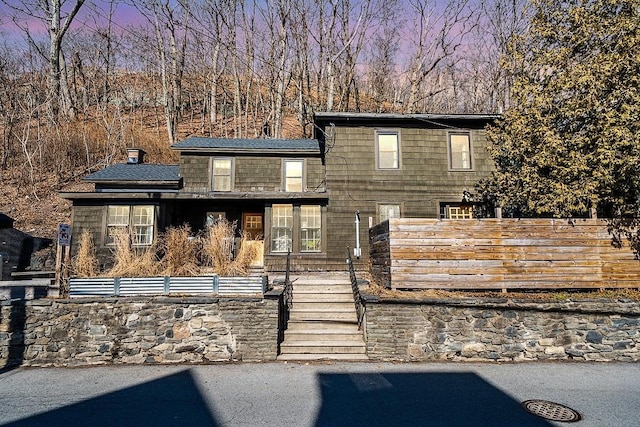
[502, 330]
[138, 330]
[53, 332]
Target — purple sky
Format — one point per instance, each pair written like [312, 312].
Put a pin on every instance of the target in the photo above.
[93, 13]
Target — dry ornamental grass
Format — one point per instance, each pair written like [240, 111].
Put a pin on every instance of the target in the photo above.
[175, 253]
[85, 263]
[130, 261]
[217, 249]
[179, 252]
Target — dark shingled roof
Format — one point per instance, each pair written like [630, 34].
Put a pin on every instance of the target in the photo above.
[244, 144]
[136, 172]
[327, 115]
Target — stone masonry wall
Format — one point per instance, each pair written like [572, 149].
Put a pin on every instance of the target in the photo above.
[502, 330]
[138, 330]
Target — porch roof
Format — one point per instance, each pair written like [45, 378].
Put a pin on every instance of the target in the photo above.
[247, 145]
[111, 195]
[137, 173]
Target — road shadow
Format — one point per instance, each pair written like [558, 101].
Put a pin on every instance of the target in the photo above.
[460, 399]
[173, 400]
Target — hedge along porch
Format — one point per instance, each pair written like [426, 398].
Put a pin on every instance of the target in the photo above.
[415, 253]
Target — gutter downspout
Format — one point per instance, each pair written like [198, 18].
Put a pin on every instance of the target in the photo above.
[357, 251]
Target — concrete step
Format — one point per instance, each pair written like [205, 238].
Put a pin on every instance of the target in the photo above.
[323, 324]
[324, 289]
[315, 314]
[319, 281]
[316, 278]
[319, 357]
[322, 347]
[316, 297]
[324, 305]
[334, 326]
[323, 335]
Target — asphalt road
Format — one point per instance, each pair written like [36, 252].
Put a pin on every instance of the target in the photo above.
[340, 394]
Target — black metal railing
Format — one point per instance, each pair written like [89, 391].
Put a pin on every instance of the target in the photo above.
[288, 286]
[286, 302]
[360, 308]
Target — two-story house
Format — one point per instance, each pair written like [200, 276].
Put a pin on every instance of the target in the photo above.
[298, 195]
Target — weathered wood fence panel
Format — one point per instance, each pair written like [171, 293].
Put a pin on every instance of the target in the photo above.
[500, 254]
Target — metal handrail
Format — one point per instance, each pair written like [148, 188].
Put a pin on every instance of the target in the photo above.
[288, 286]
[286, 303]
[360, 308]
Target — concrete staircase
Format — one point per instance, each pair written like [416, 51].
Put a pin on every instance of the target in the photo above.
[323, 324]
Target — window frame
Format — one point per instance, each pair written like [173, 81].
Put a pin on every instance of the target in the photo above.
[446, 211]
[285, 178]
[231, 174]
[297, 233]
[273, 235]
[131, 225]
[386, 132]
[450, 151]
[379, 210]
[304, 231]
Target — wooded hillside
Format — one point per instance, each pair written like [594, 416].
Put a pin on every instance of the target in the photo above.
[78, 86]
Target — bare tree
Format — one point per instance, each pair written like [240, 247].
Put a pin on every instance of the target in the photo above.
[275, 60]
[215, 19]
[170, 25]
[9, 86]
[382, 55]
[502, 21]
[438, 35]
[301, 64]
[57, 19]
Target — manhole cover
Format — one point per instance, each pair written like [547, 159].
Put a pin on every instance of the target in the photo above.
[551, 411]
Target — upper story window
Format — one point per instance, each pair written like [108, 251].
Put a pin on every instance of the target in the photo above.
[138, 219]
[222, 174]
[460, 150]
[293, 175]
[387, 150]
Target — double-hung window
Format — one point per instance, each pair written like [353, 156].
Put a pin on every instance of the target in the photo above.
[139, 220]
[293, 175]
[281, 228]
[460, 150]
[222, 174]
[310, 228]
[296, 228]
[387, 150]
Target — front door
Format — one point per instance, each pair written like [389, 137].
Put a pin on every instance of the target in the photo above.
[252, 225]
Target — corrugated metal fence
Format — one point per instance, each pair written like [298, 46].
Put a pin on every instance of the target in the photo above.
[500, 254]
[201, 285]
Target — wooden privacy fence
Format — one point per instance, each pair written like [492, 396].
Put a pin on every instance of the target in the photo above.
[412, 253]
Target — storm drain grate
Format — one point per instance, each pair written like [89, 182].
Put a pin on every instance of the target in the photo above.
[551, 411]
